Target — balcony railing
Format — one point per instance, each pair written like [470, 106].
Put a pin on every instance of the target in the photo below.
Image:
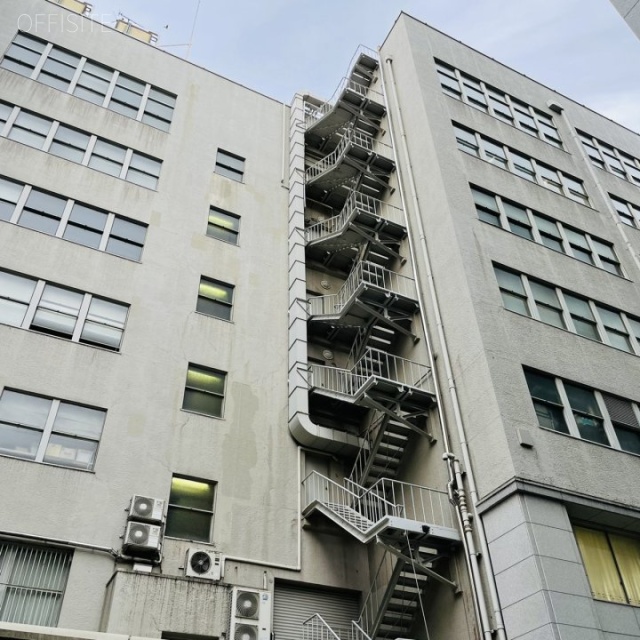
[351, 136]
[315, 113]
[357, 202]
[374, 363]
[384, 498]
[367, 273]
[316, 628]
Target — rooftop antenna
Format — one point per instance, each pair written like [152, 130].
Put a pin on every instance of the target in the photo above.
[193, 29]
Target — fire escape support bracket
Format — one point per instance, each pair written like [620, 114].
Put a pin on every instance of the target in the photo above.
[374, 404]
[418, 566]
[378, 243]
[388, 321]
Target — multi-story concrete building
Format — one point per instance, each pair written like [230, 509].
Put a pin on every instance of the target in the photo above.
[362, 368]
[630, 11]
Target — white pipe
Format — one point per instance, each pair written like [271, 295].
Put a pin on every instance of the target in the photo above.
[59, 541]
[473, 557]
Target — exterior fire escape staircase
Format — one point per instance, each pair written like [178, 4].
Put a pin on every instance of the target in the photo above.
[414, 526]
[410, 527]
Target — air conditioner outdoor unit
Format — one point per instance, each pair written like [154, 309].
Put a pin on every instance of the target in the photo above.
[250, 614]
[203, 564]
[146, 509]
[142, 537]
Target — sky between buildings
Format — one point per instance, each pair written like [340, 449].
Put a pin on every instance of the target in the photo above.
[581, 48]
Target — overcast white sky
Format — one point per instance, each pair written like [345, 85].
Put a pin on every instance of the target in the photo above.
[581, 48]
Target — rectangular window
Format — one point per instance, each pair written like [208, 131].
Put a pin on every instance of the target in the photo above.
[30, 129]
[33, 580]
[48, 308]
[107, 157]
[23, 55]
[612, 564]
[10, 193]
[229, 165]
[215, 298]
[582, 317]
[614, 328]
[127, 96]
[518, 220]
[58, 68]
[69, 143]
[223, 225]
[204, 391]
[93, 83]
[467, 141]
[144, 170]
[486, 206]
[546, 401]
[190, 510]
[547, 304]
[42, 212]
[49, 430]
[514, 296]
[126, 238]
[586, 413]
[628, 213]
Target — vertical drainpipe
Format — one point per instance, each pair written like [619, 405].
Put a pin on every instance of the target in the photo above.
[453, 465]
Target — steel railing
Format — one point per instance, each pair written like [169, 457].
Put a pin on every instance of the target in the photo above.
[375, 600]
[362, 463]
[316, 628]
[374, 363]
[385, 497]
[367, 273]
[370, 506]
[351, 136]
[315, 113]
[357, 202]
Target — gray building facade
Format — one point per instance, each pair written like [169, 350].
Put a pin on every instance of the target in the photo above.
[351, 369]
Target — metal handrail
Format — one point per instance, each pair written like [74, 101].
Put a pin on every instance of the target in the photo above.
[367, 273]
[316, 628]
[374, 363]
[374, 600]
[316, 112]
[357, 202]
[350, 135]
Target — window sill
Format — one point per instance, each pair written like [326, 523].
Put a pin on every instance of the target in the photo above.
[571, 333]
[231, 244]
[597, 444]
[204, 415]
[47, 464]
[206, 315]
[190, 541]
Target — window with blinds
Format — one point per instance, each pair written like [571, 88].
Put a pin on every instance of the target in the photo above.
[612, 564]
[32, 583]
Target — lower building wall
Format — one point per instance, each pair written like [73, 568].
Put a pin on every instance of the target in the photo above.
[148, 604]
[542, 584]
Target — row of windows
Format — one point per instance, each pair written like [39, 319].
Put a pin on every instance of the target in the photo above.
[49, 308]
[26, 206]
[581, 412]
[497, 103]
[604, 156]
[629, 213]
[542, 229]
[517, 163]
[565, 310]
[69, 72]
[78, 146]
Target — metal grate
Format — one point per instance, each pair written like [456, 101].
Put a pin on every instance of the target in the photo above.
[32, 583]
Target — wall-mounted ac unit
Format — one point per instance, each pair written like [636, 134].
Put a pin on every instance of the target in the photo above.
[203, 564]
[146, 509]
[142, 538]
[250, 614]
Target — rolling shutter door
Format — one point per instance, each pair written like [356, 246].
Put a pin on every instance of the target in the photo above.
[293, 604]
